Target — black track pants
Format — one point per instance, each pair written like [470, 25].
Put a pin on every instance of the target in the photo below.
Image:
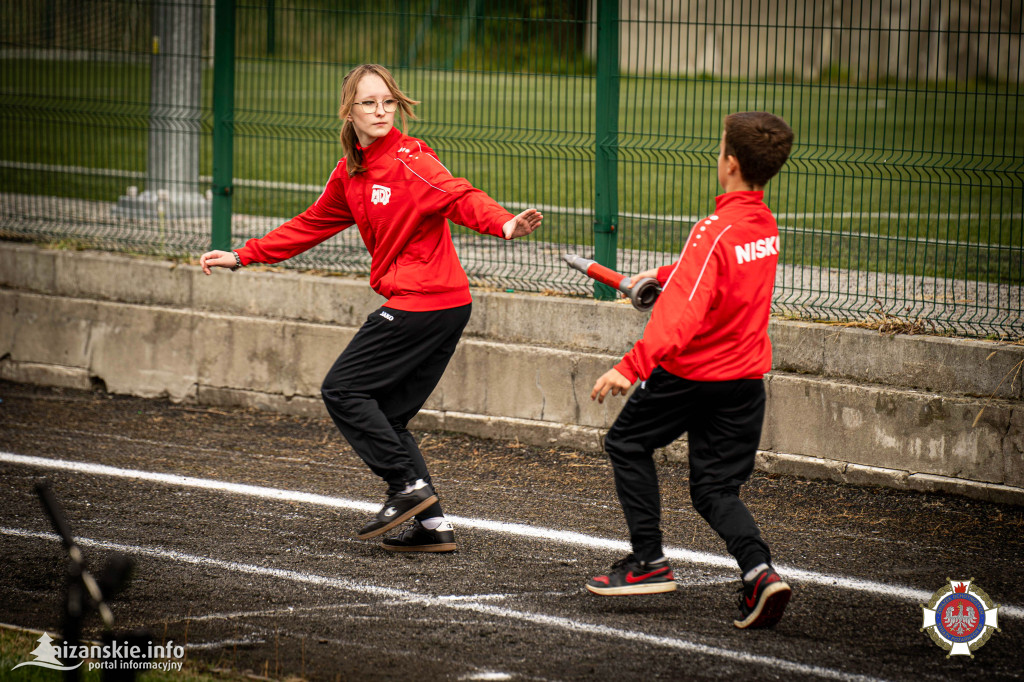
[381, 380]
[723, 420]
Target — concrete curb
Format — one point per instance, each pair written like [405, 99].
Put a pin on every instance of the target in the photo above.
[856, 474]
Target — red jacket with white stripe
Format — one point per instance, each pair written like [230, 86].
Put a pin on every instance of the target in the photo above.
[710, 322]
[400, 204]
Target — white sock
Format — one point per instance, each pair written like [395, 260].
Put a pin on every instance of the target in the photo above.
[752, 573]
[656, 561]
[419, 483]
[435, 523]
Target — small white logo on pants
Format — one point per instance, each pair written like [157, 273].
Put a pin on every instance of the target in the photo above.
[381, 195]
[387, 316]
[390, 511]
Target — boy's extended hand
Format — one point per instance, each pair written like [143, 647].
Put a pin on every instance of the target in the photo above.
[612, 381]
[219, 259]
[652, 273]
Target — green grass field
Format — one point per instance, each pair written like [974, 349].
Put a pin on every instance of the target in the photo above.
[917, 179]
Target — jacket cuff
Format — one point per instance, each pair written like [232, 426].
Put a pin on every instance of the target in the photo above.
[625, 370]
[245, 253]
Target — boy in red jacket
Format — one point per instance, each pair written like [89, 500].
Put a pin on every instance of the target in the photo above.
[701, 363]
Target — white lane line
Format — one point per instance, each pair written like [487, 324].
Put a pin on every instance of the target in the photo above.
[377, 591]
[518, 529]
[71, 433]
[190, 482]
[476, 597]
[285, 611]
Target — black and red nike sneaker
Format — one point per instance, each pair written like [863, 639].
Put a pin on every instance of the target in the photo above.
[632, 576]
[762, 600]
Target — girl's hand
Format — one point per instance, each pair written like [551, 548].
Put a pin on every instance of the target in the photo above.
[523, 224]
[217, 259]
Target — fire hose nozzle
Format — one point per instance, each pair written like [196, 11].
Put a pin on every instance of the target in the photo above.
[642, 295]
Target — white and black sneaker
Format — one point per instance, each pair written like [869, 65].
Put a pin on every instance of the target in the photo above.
[421, 539]
[399, 508]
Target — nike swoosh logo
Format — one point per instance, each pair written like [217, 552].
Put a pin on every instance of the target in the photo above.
[630, 578]
[750, 600]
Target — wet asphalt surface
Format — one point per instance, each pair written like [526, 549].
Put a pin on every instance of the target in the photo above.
[280, 587]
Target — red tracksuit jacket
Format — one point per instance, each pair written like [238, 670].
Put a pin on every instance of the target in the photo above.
[400, 204]
[710, 322]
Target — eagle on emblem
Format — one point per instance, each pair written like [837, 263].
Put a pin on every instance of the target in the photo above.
[960, 622]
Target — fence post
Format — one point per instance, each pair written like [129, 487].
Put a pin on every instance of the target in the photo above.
[271, 28]
[223, 122]
[403, 30]
[606, 189]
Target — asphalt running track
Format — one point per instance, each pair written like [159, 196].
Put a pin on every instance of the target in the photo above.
[241, 523]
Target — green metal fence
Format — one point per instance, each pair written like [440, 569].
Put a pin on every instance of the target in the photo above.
[148, 126]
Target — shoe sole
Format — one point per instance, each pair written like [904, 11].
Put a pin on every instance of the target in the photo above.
[769, 610]
[398, 520]
[654, 588]
[441, 547]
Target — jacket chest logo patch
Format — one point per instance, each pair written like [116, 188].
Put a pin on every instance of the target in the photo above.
[380, 195]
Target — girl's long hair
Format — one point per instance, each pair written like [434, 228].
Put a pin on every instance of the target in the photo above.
[349, 141]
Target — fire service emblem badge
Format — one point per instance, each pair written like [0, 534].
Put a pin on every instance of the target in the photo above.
[960, 617]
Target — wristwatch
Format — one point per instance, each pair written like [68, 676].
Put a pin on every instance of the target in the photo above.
[238, 261]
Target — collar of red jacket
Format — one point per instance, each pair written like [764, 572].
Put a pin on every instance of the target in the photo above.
[379, 147]
[738, 198]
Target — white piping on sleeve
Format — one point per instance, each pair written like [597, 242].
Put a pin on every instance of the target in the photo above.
[423, 178]
[705, 266]
[679, 261]
[438, 162]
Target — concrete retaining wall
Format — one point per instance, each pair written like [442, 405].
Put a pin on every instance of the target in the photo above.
[844, 403]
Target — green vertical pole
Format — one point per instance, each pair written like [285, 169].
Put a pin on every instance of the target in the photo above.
[606, 189]
[223, 121]
[403, 31]
[271, 28]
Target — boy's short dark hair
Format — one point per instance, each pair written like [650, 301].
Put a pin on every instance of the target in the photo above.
[760, 142]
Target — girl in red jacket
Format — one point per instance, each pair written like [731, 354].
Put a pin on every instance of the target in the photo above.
[396, 191]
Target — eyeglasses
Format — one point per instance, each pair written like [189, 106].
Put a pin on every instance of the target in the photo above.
[370, 106]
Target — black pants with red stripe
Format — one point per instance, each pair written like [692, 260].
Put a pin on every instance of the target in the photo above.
[723, 420]
[381, 380]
